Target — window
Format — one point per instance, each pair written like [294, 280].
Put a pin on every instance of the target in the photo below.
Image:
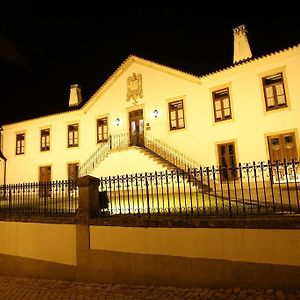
[282, 146]
[221, 101]
[73, 135]
[45, 139]
[274, 92]
[102, 130]
[176, 115]
[20, 144]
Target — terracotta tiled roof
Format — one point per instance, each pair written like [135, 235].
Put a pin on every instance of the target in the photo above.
[249, 60]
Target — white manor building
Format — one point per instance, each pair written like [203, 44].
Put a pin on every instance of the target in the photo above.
[244, 113]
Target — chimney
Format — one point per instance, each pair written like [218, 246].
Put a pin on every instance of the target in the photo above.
[242, 49]
[75, 95]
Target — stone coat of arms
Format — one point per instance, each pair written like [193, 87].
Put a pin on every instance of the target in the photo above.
[134, 87]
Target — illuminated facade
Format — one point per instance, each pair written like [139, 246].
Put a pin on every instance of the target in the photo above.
[244, 113]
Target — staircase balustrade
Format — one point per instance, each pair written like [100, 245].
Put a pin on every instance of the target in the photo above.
[169, 153]
[95, 159]
[155, 145]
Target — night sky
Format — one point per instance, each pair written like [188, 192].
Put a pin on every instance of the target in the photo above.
[46, 47]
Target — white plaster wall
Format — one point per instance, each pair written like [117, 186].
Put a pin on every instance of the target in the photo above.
[248, 128]
[25, 168]
[158, 87]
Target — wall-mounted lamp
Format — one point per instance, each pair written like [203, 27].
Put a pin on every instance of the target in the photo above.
[155, 113]
[117, 121]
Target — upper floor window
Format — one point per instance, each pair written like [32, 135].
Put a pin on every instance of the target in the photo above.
[45, 139]
[102, 130]
[222, 108]
[20, 143]
[176, 115]
[73, 135]
[274, 91]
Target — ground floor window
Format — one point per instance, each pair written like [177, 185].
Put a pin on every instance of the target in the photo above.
[282, 147]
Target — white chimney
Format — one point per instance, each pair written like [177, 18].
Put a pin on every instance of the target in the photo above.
[242, 49]
[75, 95]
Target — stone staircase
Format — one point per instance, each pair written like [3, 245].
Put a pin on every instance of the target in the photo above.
[130, 160]
[160, 160]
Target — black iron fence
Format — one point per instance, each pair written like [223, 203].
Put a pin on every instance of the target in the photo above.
[249, 189]
[241, 190]
[56, 197]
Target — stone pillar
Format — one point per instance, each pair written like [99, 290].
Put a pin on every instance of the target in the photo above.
[88, 206]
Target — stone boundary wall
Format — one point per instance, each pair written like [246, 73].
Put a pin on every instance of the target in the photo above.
[190, 252]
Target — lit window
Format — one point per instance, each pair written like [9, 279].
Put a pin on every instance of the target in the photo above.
[45, 139]
[102, 130]
[176, 115]
[222, 108]
[20, 143]
[274, 91]
[73, 135]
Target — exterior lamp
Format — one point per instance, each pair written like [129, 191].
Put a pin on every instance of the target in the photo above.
[117, 121]
[155, 113]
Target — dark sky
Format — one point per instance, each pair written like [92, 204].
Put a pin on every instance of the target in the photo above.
[46, 46]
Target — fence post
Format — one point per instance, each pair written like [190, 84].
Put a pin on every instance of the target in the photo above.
[88, 204]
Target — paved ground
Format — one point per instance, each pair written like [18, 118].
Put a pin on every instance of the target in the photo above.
[12, 288]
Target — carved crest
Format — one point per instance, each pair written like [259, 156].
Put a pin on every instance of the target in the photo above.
[134, 87]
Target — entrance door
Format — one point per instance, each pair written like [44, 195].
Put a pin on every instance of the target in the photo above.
[45, 181]
[227, 161]
[282, 146]
[136, 122]
[73, 171]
